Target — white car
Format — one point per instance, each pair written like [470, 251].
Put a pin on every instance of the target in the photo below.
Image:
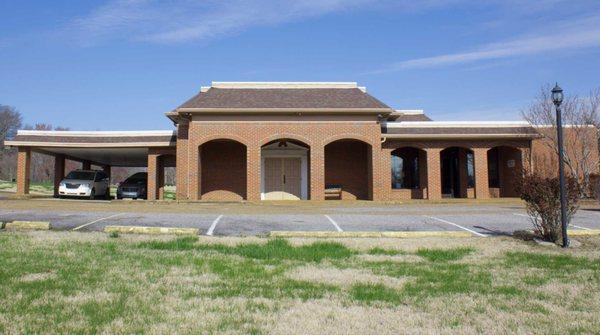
[85, 183]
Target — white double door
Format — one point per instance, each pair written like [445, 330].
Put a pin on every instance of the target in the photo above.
[282, 178]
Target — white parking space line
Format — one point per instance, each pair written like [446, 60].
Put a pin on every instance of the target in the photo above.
[212, 227]
[334, 223]
[456, 225]
[101, 219]
[572, 225]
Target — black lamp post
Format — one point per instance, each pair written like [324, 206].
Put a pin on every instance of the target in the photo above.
[557, 98]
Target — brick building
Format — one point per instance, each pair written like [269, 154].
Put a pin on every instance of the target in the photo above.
[310, 141]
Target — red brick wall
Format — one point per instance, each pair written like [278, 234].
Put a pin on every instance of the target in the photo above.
[223, 171]
[254, 134]
[347, 164]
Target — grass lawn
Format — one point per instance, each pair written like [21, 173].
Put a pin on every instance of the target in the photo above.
[59, 282]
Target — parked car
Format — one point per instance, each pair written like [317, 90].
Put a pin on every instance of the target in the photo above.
[134, 187]
[85, 183]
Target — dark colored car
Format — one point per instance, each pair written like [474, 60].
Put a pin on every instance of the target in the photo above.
[134, 187]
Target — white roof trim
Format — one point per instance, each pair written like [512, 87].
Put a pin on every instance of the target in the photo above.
[267, 85]
[457, 124]
[97, 133]
[89, 145]
[410, 111]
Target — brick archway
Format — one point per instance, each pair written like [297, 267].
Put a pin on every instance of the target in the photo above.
[505, 163]
[457, 172]
[222, 170]
[349, 168]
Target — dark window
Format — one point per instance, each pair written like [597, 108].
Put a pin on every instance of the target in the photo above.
[493, 168]
[405, 168]
[81, 175]
[470, 170]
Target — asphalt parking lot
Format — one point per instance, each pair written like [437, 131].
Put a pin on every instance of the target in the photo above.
[241, 220]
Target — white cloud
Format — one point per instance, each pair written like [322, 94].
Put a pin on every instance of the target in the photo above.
[187, 20]
[582, 33]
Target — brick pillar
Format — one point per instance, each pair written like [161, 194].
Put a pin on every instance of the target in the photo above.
[317, 172]
[59, 172]
[253, 175]
[182, 169]
[385, 173]
[434, 178]
[23, 168]
[194, 173]
[153, 176]
[375, 179]
[86, 165]
[482, 189]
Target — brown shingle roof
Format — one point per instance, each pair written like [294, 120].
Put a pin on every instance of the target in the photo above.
[299, 98]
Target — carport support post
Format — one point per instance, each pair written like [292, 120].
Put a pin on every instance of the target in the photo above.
[59, 172]
[23, 168]
[107, 170]
[153, 176]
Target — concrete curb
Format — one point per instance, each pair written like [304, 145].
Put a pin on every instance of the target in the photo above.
[591, 232]
[26, 225]
[370, 234]
[151, 230]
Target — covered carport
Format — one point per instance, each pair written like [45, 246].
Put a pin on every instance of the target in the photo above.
[105, 149]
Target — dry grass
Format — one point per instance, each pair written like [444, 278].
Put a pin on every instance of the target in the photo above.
[88, 283]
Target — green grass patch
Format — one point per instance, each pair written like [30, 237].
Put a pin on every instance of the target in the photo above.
[554, 263]
[387, 252]
[275, 249]
[444, 255]
[375, 292]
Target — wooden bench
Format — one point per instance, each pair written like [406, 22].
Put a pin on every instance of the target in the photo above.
[333, 192]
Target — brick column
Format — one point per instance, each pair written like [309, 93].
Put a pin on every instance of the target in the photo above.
[182, 168]
[253, 175]
[482, 189]
[194, 173]
[23, 168]
[59, 172]
[434, 178]
[385, 173]
[86, 165]
[317, 172]
[153, 176]
[375, 179]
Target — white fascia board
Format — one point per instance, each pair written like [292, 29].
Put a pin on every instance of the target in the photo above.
[457, 124]
[409, 111]
[96, 133]
[267, 85]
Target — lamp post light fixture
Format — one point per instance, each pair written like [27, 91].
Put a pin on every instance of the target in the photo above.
[557, 98]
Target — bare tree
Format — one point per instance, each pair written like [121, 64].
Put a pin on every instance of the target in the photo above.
[581, 117]
[10, 122]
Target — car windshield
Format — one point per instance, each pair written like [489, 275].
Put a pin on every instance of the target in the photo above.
[136, 178]
[82, 175]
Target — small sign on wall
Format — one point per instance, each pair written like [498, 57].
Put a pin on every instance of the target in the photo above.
[510, 163]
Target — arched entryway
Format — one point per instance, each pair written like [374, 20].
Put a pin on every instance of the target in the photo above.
[222, 168]
[285, 170]
[409, 172]
[348, 168]
[504, 165]
[457, 172]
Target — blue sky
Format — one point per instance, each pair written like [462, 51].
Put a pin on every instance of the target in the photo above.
[120, 64]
